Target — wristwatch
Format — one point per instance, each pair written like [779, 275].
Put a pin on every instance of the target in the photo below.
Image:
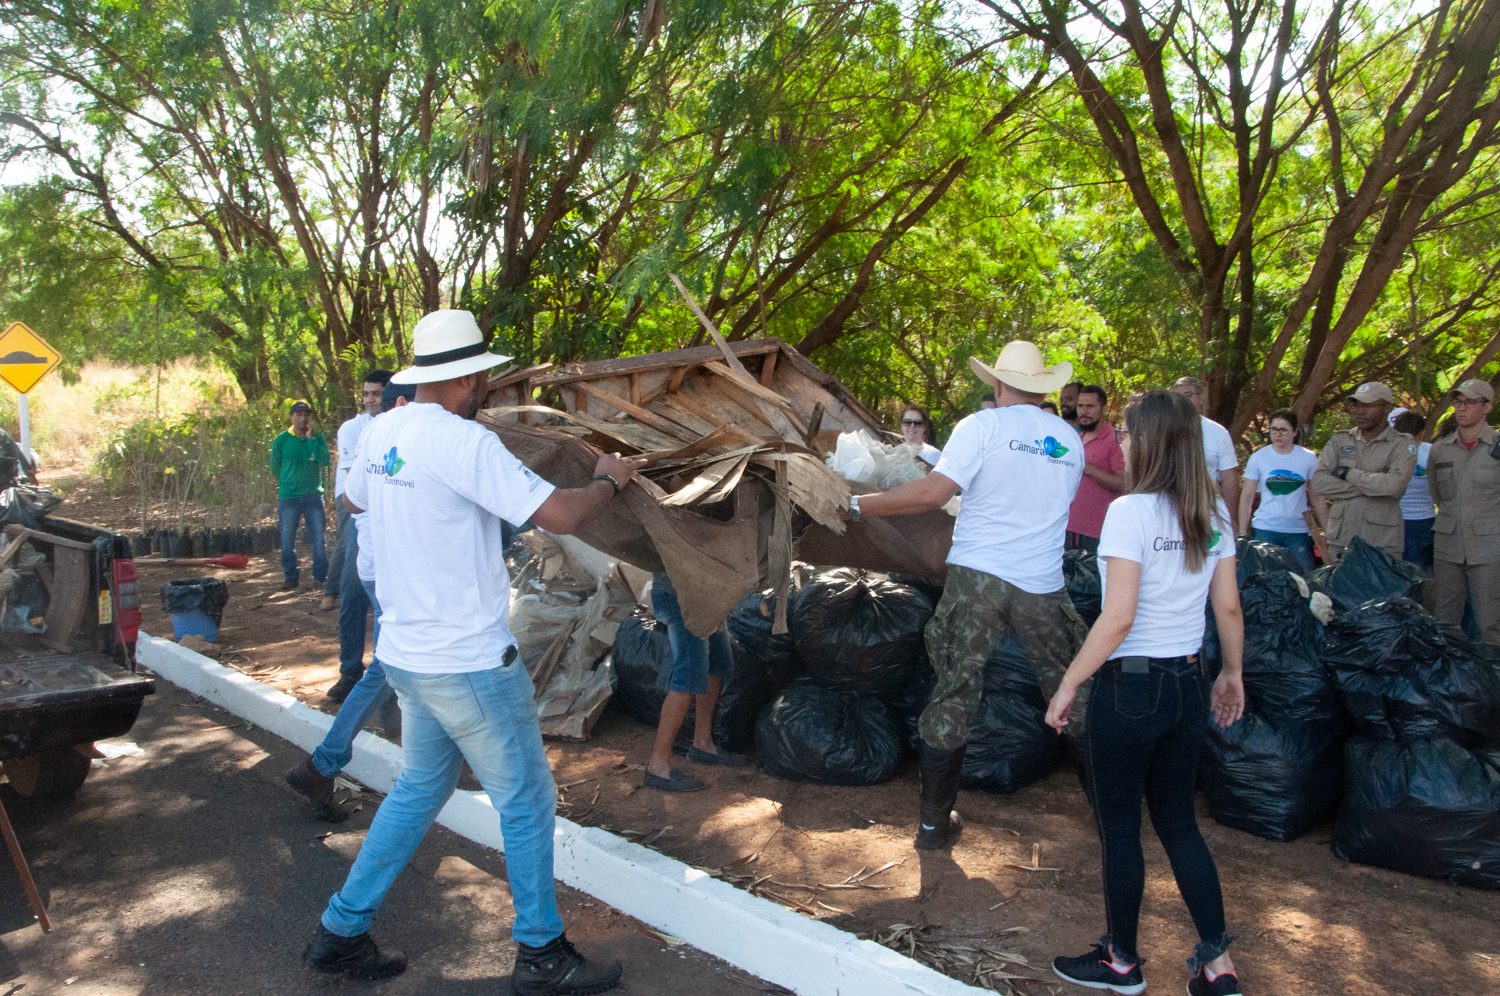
[854, 515]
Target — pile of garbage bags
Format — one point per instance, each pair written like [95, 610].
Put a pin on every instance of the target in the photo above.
[1422, 772]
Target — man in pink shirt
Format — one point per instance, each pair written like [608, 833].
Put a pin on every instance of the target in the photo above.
[1103, 470]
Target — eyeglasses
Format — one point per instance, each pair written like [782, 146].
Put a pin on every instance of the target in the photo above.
[1278, 428]
[912, 421]
[1466, 402]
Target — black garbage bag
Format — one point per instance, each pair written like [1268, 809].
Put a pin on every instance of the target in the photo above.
[1085, 587]
[1010, 745]
[861, 632]
[1275, 781]
[27, 505]
[813, 732]
[749, 625]
[932, 589]
[1403, 674]
[187, 594]
[1365, 573]
[642, 657]
[1285, 677]
[1424, 806]
[1252, 557]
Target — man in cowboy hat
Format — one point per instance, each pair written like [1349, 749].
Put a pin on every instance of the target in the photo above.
[1019, 468]
[1465, 470]
[1365, 471]
[436, 485]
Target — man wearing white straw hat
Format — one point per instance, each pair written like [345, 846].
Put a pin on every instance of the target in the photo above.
[436, 485]
[1019, 467]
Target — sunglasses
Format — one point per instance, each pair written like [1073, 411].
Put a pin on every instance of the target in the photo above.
[912, 421]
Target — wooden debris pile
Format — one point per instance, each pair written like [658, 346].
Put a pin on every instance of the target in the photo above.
[567, 601]
[978, 962]
[709, 429]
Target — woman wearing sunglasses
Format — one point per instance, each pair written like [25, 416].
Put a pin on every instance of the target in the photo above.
[916, 427]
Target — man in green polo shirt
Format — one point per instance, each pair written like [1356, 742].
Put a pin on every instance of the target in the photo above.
[298, 457]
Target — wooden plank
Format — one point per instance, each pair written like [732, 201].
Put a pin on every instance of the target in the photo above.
[753, 386]
[713, 331]
[768, 369]
[686, 410]
[70, 596]
[15, 530]
[652, 419]
[728, 484]
[773, 415]
[648, 362]
[635, 389]
[633, 434]
[675, 381]
[510, 376]
[722, 436]
[710, 477]
[814, 424]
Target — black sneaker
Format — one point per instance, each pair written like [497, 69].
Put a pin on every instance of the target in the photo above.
[340, 690]
[1095, 971]
[557, 969]
[355, 957]
[289, 585]
[1227, 984]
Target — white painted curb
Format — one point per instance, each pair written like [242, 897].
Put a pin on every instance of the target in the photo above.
[753, 934]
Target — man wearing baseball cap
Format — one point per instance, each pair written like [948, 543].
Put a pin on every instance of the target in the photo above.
[298, 457]
[1364, 471]
[1465, 470]
[434, 486]
[1019, 468]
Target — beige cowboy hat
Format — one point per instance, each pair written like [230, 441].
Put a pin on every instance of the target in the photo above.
[445, 345]
[1021, 366]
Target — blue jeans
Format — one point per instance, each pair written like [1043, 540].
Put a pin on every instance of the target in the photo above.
[1417, 548]
[694, 659]
[340, 548]
[354, 602]
[309, 509]
[1299, 545]
[488, 718]
[1145, 736]
[369, 694]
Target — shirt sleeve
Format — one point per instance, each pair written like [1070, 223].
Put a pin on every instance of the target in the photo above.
[1123, 532]
[490, 476]
[962, 456]
[276, 456]
[356, 486]
[1114, 459]
[1225, 547]
[1227, 459]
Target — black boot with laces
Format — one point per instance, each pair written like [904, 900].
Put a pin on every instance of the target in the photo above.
[355, 957]
[557, 969]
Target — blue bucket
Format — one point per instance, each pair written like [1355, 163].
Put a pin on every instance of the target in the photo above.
[194, 623]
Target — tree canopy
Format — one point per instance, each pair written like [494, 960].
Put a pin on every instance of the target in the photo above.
[1284, 198]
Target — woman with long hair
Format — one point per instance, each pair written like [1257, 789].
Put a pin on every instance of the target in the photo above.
[916, 428]
[1166, 547]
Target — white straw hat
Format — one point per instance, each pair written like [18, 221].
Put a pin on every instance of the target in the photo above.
[1021, 366]
[447, 344]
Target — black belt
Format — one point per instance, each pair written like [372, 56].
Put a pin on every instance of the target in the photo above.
[1142, 665]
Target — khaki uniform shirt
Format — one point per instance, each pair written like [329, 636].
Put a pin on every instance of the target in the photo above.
[1367, 502]
[1466, 484]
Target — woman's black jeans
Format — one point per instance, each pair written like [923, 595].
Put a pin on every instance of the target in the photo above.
[1147, 718]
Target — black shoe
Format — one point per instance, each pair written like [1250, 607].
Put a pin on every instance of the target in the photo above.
[1095, 971]
[311, 782]
[341, 689]
[557, 969]
[678, 782]
[356, 957]
[1225, 985]
[723, 758]
[289, 585]
[939, 825]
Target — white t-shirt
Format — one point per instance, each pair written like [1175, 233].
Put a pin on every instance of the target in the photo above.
[1169, 618]
[435, 488]
[930, 454]
[1282, 487]
[1416, 503]
[1019, 468]
[1218, 448]
[365, 562]
[348, 442]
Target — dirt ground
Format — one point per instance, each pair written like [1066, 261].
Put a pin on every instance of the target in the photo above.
[1306, 922]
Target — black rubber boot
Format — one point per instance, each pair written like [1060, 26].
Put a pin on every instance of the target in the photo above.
[557, 969]
[355, 957]
[939, 826]
[311, 782]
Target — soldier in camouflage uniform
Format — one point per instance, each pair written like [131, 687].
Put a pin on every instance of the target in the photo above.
[1019, 468]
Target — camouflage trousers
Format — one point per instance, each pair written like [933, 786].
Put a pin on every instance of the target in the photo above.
[973, 616]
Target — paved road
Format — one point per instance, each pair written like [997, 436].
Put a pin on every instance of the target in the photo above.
[194, 869]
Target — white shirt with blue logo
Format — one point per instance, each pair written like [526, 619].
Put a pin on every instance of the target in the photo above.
[434, 488]
[1169, 618]
[1282, 485]
[1019, 468]
[1416, 503]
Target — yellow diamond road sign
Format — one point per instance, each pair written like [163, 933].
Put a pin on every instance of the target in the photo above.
[25, 357]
